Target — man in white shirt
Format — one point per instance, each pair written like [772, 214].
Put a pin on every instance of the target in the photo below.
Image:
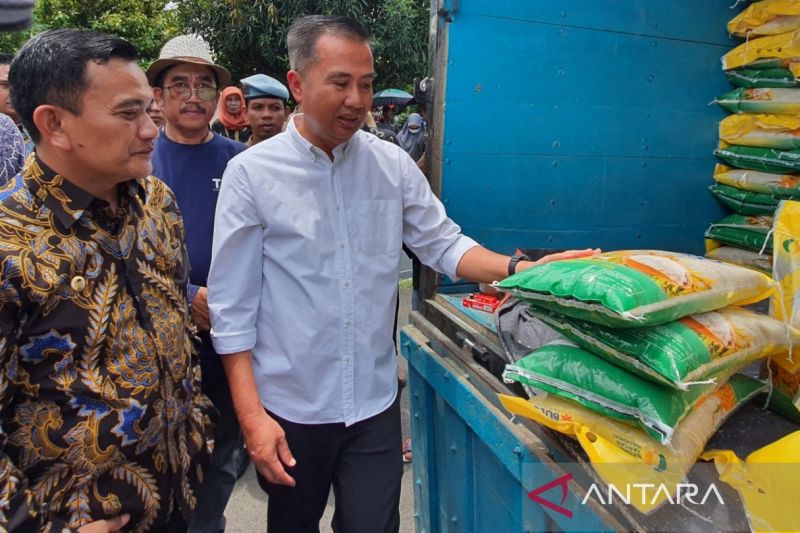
[302, 289]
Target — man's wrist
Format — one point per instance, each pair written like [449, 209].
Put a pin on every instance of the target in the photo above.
[514, 261]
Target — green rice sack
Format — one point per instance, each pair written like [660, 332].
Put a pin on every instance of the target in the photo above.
[635, 288]
[687, 352]
[737, 256]
[761, 100]
[563, 369]
[762, 78]
[761, 159]
[744, 202]
[748, 232]
[778, 185]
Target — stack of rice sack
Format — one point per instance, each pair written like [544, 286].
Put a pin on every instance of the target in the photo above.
[784, 371]
[648, 368]
[760, 142]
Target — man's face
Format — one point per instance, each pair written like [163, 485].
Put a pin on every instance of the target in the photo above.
[194, 114]
[5, 94]
[112, 138]
[335, 91]
[266, 117]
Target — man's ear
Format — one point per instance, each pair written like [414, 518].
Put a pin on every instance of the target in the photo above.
[50, 121]
[295, 85]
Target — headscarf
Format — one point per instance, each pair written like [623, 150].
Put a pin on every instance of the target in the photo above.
[412, 142]
[232, 122]
[12, 150]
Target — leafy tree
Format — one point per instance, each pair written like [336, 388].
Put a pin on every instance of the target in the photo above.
[249, 36]
[145, 23]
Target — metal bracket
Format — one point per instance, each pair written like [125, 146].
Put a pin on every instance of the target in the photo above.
[447, 9]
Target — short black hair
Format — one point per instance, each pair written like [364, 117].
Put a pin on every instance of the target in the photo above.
[51, 69]
[301, 40]
[6, 59]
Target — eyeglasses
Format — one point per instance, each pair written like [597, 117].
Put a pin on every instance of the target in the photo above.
[182, 91]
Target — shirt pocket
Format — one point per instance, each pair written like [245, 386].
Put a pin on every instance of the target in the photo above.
[378, 226]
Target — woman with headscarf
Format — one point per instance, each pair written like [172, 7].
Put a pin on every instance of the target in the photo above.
[232, 122]
[12, 150]
[412, 137]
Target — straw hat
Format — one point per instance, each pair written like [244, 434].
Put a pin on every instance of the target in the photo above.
[186, 49]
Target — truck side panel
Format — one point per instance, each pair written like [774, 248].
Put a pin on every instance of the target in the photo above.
[584, 123]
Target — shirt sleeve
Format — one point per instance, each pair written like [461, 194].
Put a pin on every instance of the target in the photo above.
[428, 232]
[19, 511]
[234, 278]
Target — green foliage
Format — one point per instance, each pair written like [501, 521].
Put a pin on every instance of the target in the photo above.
[250, 36]
[145, 23]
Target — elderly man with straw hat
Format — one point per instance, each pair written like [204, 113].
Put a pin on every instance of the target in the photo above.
[191, 158]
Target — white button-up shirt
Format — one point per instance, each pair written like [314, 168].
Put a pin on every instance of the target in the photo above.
[305, 267]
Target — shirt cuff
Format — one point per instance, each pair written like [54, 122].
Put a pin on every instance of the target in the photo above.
[453, 255]
[191, 292]
[228, 343]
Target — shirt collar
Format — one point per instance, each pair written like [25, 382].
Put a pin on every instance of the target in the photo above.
[305, 146]
[66, 200]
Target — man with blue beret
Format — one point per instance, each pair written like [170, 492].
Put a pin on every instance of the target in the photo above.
[265, 99]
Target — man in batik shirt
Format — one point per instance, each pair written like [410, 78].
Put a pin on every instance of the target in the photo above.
[101, 412]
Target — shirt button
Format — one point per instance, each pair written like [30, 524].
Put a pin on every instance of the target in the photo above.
[78, 283]
[341, 245]
[346, 283]
[348, 323]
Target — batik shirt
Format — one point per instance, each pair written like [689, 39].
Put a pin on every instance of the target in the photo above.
[100, 401]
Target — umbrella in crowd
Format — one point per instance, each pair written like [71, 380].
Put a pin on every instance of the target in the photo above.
[391, 96]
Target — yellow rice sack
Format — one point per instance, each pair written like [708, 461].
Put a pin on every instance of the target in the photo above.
[779, 185]
[768, 131]
[737, 256]
[622, 454]
[786, 304]
[766, 482]
[768, 17]
[772, 51]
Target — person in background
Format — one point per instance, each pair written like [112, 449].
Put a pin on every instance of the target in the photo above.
[15, 15]
[232, 122]
[191, 159]
[103, 420]
[303, 284]
[5, 102]
[12, 149]
[156, 114]
[386, 118]
[265, 102]
[412, 137]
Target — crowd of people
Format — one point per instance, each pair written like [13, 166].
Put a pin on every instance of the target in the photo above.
[179, 293]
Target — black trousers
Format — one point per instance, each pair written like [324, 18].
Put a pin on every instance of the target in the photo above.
[362, 462]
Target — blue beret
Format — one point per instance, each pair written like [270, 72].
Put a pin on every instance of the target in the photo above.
[262, 86]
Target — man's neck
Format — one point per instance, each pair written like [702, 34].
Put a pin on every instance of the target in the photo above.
[182, 136]
[98, 188]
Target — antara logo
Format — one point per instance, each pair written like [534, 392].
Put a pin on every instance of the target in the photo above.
[560, 482]
[644, 493]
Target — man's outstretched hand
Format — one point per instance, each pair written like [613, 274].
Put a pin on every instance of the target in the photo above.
[569, 254]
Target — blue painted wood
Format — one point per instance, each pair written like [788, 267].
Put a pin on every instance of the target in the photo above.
[583, 123]
[476, 470]
[673, 20]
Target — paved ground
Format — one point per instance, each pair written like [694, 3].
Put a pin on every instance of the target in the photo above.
[247, 508]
